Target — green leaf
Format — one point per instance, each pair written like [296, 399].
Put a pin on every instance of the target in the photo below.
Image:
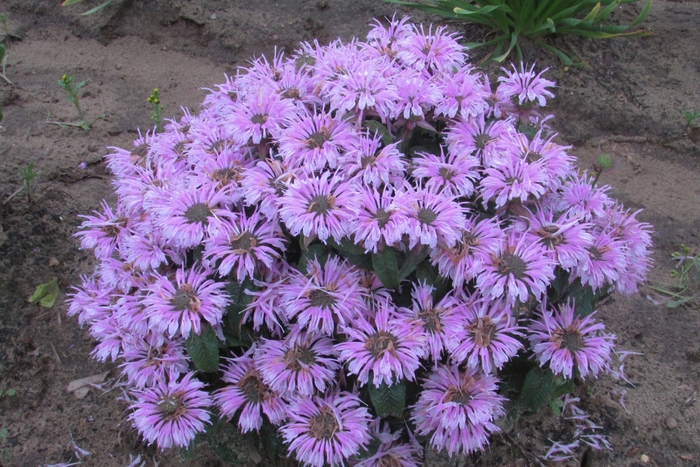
[45, 294]
[347, 246]
[203, 349]
[232, 446]
[538, 389]
[388, 400]
[414, 258]
[379, 128]
[605, 161]
[2, 51]
[96, 9]
[315, 251]
[70, 2]
[387, 268]
[11, 392]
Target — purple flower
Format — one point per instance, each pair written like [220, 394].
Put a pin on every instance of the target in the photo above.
[313, 142]
[570, 343]
[482, 333]
[387, 347]
[367, 162]
[516, 270]
[258, 116]
[580, 197]
[431, 318]
[605, 262]
[464, 94]
[513, 179]
[456, 409]
[476, 137]
[245, 243]
[463, 261]
[430, 51]
[365, 89]
[383, 40]
[185, 216]
[102, 232]
[452, 174]
[391, 452]
[148, 361]
[264, 184]
[326, 295]
[318, 206]
[179, 308]
[266, 306]
[432, 217]
[171, 413]
[417, 95]
[297, 366]
[522, 90]
[248, 396]
[328, 430]
[379, 222]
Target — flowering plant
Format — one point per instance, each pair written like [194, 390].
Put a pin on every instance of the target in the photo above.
[348, 248]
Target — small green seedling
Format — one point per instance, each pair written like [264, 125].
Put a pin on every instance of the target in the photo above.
[690, 117]
[11, 392]
[687, 275]
[28, 174]
[157, 112]
[603, 162]
[89, 12]
[45, 294]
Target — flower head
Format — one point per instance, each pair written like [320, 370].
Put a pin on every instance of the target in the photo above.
[569, 343]
[171, 413]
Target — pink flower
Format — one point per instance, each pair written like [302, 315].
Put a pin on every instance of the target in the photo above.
[171, 413]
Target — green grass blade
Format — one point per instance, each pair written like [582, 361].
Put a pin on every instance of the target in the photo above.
[594, 12]
[70, 2]
[565, 59]
[513, 41]
[643, 15]
[96, 9]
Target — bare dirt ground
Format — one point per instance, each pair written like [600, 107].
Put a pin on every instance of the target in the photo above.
[626, 99]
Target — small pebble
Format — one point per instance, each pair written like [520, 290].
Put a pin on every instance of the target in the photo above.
[671, 423]
[213, 16]
[644, 458]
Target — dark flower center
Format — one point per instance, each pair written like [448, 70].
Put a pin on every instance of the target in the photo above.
[316, 140]
[291, 93]
[460, 395]
[138, 155]
[253, 387]
[217, 146]
[179, 148]
[198, 213]
[431, 320]
[595, 253]
[533, 157]
[481, 140]
[225, 176]
[243, 243]
[259, 119]
[446, 173]
[367, 161]
[569, 338]
[382, 217]
[299, 357]
[482, 331]
[379, 343]
[426, 216]
[324, 425]
[321, 204]
[171, 406]
[549, 236]
[185, 298]
[321, 299]
[509, 263]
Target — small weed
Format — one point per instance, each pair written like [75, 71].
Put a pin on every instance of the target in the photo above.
[690, 117]
[11, 392]
[687, 275]
[157, 112]
[28, 174]
[5, 30]
[603, 162]
[66, 82]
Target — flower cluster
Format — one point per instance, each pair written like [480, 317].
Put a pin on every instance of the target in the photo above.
[340, 225]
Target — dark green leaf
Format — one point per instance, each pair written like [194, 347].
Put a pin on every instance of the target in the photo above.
[233, 447]
[315, 251]
[2, 51]
[388, 400]
[347, 246]
[272, 442]
[380, 129]
[386, 267]
[363, 261]
[538, 389]
[203, 349]
[414, 258]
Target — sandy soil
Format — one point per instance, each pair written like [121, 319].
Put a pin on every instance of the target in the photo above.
[626, 100]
